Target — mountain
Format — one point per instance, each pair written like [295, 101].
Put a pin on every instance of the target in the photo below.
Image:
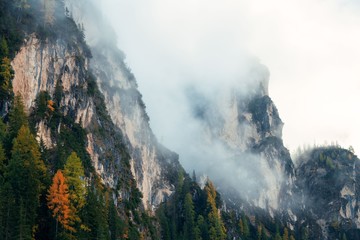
[327, 192]
[68, 87]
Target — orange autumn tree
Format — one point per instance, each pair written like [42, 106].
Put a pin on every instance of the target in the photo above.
[58, 201]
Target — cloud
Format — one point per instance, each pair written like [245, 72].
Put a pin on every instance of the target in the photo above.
[310, 47]
[214, 48]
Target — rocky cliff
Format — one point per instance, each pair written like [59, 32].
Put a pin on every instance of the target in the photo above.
[151, 164]
[244, 123]
[327, 195]
[43, 65]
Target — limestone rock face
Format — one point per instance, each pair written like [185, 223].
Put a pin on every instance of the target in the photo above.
[151, 163]
[41, 66]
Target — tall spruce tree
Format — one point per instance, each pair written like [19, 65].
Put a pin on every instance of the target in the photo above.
[25, 173]
[17, 119]
[189, 224]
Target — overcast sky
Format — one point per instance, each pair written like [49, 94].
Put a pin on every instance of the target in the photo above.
[311, 48]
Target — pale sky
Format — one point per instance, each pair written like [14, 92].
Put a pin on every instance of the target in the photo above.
[311, 48]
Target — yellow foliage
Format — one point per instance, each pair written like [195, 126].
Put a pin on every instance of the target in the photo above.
[50, 105]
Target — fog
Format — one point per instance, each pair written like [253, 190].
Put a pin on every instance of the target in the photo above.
[191, 60]
[310, 48]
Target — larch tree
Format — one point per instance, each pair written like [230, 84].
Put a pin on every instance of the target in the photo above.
[216, 226]
[58, 201]
[74, 175]
[286, 234]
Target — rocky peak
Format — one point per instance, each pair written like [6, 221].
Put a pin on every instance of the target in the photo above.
[327, 179]
[241, 119]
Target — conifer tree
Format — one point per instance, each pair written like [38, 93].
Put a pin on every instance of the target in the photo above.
[17, 119]
[95, 215]
[244, 226]
[201, 223]
[259, 232]
[58, 201]
[2, 192]
[286, 234]
[4, 49]
[8, 212]
[189, 224]
[3, 131]
[216, 226]
[74, 174]
[305, 233]
[26, 173]
[277, 233]
[6, 75]
[2, 165]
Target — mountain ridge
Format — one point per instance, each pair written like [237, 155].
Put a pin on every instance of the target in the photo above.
[84, 98]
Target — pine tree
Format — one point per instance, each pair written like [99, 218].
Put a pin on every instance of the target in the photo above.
[201, 223]
[259, 232]
[194, 176]
[244, 227]
[2, 192]
[116, 225]
[26, 173]
[164, 223]
[8, 212]
[277, 233]
[3, 131]
[189, 224]
[58, 201]
[304, 233]
[95, 216]
[4, 49]
[74, 174]
[263, 233]
[17, 119]
[2, 165]
[344, 237]
[277, 236]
